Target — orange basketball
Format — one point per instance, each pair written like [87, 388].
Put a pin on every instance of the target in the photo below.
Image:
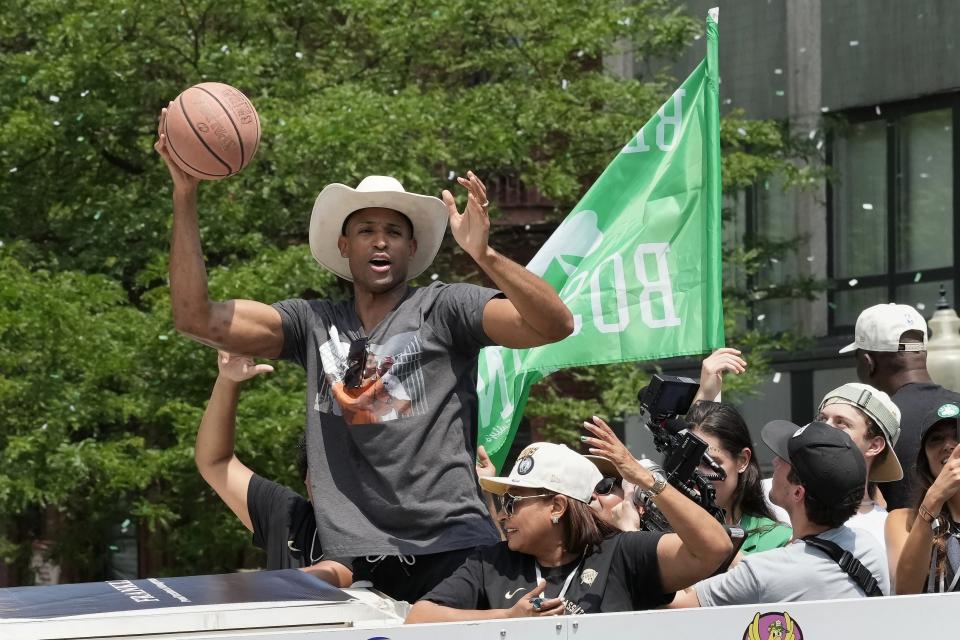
[212, 130]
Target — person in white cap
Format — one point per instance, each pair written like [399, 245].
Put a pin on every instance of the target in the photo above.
[890, 347]
[560, 556]
[391, 373]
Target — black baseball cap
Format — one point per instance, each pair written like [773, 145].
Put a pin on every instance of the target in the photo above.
[946, 412]
[829, 464]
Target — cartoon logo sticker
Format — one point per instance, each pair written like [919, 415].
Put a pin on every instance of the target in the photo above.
[773, 625]
[948, 410]
[588, 576]
[525, 466]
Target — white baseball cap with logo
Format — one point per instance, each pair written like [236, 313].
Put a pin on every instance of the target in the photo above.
[878, 406]
[553, 467]
[879, 329]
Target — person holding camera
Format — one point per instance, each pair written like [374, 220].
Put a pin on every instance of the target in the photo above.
[819, 475]
[561, 557]
[927, 542]
[740, 493]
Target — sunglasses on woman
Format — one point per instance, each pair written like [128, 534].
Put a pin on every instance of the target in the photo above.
[606, 486]
[508, 501]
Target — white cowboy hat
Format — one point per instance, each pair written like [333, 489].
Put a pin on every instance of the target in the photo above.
[427, 214]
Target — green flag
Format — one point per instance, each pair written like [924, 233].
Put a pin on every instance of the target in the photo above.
[637, 261]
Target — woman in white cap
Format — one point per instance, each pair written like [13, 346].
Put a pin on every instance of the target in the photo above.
[561, 557]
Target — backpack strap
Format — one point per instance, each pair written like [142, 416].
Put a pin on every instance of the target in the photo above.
[850, 565]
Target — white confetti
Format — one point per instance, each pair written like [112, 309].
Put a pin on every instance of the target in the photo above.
[85, 93]
[72, 408]
[54, 99]
[451, 175]
[79, 138]
[774, 261]
[819, 145]
[526, 227]
[877, 109]
[224, 49]
[761, 317]
[824, 109]
[778, 72]
[282, 122]
[924, 175]
[580, 53]
[741, 131]
[854, 43]
[43, 426]
[803, 50]
[853, 282]
[776, 378]
[14, 170]
[812, 134]
[298, 55]
[56, 123]
[434, 276]
[779, 92]
[867, 206]
[1, 243]
[728, 101]
[564, 84]
[809, 258]
[921, 306]
[697, 37]
[163, 337]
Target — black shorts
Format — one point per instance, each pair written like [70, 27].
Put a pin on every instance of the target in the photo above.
[401, 579]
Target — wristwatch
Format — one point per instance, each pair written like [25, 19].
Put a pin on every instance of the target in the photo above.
[659, 484]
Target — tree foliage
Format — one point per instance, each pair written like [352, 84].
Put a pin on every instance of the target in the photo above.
[99, 397]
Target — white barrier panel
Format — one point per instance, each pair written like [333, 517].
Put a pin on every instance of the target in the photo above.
[901, 617]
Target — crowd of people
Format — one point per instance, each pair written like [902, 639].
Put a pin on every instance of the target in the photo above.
[400, 498]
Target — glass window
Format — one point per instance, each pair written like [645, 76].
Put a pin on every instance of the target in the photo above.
[923, 295]
[860, 201]
[925, 176]
[848, 303]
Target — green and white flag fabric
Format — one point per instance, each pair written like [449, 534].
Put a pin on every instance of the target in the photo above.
[637, 261]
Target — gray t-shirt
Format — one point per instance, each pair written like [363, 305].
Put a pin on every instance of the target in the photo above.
[392, 462]
[797, 572]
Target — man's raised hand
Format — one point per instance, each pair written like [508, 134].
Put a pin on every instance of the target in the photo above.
[471, 229]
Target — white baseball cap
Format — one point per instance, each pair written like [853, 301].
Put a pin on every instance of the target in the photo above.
[879, 329]
[553, 467]
[878, 406]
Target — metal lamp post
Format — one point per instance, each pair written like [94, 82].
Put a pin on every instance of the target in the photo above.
[943, 347]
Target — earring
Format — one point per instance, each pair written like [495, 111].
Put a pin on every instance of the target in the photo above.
[555, 519]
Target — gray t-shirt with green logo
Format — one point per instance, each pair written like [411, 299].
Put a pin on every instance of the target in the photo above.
[392, 461]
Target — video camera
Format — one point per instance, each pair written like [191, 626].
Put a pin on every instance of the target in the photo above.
[662, 403]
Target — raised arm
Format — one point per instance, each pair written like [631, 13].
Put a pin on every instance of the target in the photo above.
[723, 360]
[214, 449]
[532, 314]
[698, 546]
[237, 326]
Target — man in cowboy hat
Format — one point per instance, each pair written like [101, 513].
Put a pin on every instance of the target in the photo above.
[391, 374]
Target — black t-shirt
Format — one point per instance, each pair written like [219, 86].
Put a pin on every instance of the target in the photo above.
[284, 526]
[621, 574]
[915, 400]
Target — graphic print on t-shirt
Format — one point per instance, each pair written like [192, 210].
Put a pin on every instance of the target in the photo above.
[392, 386]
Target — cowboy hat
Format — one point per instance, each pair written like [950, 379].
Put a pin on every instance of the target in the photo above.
[336, 202]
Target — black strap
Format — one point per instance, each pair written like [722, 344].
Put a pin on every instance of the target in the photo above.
[850, 565]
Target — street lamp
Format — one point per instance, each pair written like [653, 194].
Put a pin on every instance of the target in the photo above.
[943, 347]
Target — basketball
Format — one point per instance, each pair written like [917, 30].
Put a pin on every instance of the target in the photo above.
[212, 130]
